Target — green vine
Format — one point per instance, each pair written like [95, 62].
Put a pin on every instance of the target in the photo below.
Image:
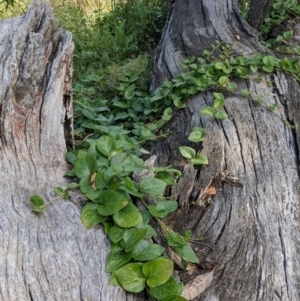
[107, 167]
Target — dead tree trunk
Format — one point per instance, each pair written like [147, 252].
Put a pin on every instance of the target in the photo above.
[49, 256]
[255, 230]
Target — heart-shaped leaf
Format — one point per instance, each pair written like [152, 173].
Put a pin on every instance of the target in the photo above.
[131, 277]
[158, 271]
[128, 217]
[90, 215]
[111, 201]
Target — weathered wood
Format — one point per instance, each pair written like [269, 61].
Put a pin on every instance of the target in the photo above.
[49, 256]
[254, 229]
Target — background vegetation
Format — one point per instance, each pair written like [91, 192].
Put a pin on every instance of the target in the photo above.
[116, 38]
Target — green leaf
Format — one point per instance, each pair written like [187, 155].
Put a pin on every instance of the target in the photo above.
[146, 216]
[221, 115]
[167, 114]
[187, 152]
[85, 164]
[66, 195]
[186, 252]
[152, 186]
[231, 86]
[199, 129]
[177, 102]
[132, 191]
[72, 185]
[253, 68]
[120, 104]
[268, 69]
[113, 280]
[272, 107]
[92, 195]
[199, 159]
[188, 234]
[131, 277]
[58, 190]
[99, 182]
[106, 145]
[128, 217]
[227, 69]
[158, 271]
[223, 81]
[163, 208]
[39, 209]
[90, 215]
[129, 92]
[84, 186]
[208, 111]
[246, 92]
[241, 71]
[145, 133]
[288, 34]
[111, 201]
[106, 225]
[166, 177]
[115, 233]
[37, 201]
[150, 231]
[267, 60]
[192, 90]
[146, 251]
[175, 240]
[132, 237]
[219, 103]
[71, 157]
[218, 96]
[128, 161]
[167, 84]
[171, 287]
[219, 66]
[116, 151]
[196, 136]
[117, 259]
[156, 97]
[112, 171]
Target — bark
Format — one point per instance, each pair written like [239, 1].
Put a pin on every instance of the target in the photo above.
[254, 229]
[49, 256]
[258, 11]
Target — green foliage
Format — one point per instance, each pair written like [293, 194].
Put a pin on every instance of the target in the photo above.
[104, 178]
[280, 11]
[130, 28]
[105, 166]
[37, 203]
[131, 277]
[168, 288]
[158, 271]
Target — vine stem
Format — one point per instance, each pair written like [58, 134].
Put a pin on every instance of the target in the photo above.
[51, 201]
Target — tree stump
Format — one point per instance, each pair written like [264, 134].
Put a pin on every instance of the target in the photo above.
[254, 229]
[49, 256]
